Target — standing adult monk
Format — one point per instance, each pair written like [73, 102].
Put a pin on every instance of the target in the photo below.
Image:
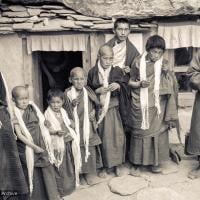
[124, 51]
[193, 144]
[124, 54]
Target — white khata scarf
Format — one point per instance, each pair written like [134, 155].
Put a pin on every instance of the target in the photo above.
[144, 95]
[58, 142]
[29, 151]
[104, 98]
[119, 54]
[72, 94]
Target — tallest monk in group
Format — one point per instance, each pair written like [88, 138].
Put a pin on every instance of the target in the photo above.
[124, 51]
[124, 54]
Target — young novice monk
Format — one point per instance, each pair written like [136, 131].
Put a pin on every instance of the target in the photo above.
[105, 80]
[153, 107]
[62, 134]
[12, 180]
[34, 147]
[80, 105]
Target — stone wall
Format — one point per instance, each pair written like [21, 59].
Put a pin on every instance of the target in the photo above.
[11, 59]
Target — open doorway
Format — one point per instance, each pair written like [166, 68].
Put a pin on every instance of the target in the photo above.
[55, 69]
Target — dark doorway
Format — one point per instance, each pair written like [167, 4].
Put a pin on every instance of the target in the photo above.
[55, 68]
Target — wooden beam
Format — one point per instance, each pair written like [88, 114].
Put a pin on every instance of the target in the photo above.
[86, 56]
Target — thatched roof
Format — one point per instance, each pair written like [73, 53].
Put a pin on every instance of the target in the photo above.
[129, 8]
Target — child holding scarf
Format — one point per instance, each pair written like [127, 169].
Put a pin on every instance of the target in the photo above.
[34, 145]
[80, 105]
[153, 107]
[107, 82]
[65, 143]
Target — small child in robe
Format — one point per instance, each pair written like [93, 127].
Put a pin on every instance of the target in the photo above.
[64, 143]
[107, 83]
[12, 180]
[80, 105]
[34, 145]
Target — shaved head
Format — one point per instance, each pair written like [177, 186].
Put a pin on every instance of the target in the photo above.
[18, 90]
[77, 70]
[105, 50]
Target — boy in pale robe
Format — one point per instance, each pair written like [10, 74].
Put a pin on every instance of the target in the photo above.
[80, 106]
[64, 143]
[34, 145]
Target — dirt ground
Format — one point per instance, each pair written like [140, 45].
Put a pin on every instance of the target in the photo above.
[173, 184]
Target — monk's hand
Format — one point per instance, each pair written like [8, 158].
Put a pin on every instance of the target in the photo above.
[165, 69]
[101, 90]
[127, 69]
[38, 149]
[47, 123]
[72, 124]
[61, 133]
[92, 115]
[113, 86]
[74, 102]
[171, 124]
[144, 84]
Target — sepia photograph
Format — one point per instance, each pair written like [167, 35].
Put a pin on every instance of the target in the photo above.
[99, 99]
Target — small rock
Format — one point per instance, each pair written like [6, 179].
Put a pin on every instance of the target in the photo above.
[17, 8]
[50, 7]
[15, 14]
[159, 194]
[23, 26]
[33, 12]
[63, 11]
[47, 14]
[85, 18]
[130, 185]
[103, 26]
[83, 23]
[5, 20]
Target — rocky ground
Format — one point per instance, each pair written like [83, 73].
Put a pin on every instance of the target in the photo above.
[173, 184]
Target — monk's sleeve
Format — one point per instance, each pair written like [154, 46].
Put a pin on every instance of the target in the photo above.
[90, 80]
[134, 73]
[171, 113]
[68, 107]
[194, 72]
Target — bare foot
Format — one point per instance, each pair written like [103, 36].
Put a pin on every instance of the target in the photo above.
[118, 171]
[195, 173]
[102, 173]
[82, 180]
[92, 179]
[135, 171]
[156, 169]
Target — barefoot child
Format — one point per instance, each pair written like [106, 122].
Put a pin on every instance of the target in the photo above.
[34, 147]
[12, 180]
[64, 143]
[105, 80]
[153, 107]
[80, 105]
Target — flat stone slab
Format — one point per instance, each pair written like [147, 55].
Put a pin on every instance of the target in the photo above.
[127, 185]
[159, 194]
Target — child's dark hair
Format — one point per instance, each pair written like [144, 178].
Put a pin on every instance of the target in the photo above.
[55, 93]
[123, 21]
[155, 41]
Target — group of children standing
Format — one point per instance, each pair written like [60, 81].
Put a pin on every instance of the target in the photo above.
[85, 127]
